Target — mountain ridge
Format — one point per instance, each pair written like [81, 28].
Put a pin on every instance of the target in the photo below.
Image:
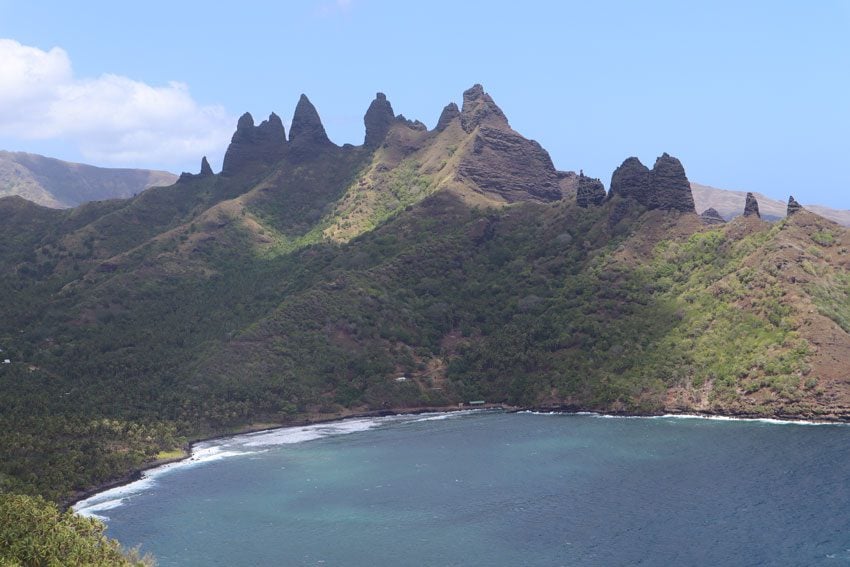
[309, 276]
[59, 184]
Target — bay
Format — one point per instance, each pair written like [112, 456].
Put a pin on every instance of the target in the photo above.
[494, 488]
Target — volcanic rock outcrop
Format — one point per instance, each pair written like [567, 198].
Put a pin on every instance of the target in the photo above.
[450, 112]
[480, 110]
[501, 161]
[665, 186]
[589, 191]
[306, 133]
[793, 206]
[206, 171]
[751, 206]
[711, 216]
[378, 120]
[265, 143]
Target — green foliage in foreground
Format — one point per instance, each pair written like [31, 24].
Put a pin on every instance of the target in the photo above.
[34, 532]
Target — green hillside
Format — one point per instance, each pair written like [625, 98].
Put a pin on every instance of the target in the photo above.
[303, 280]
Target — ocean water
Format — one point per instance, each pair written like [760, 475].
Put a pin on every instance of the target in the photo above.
[492, 488]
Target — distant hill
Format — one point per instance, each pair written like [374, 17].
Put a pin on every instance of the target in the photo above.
[61, 184]
[731, 204]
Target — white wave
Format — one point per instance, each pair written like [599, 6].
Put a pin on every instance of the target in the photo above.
[114, 497]
[290, 435]
[436, 416]
[240, 445]
[770, 420]
[90, 511]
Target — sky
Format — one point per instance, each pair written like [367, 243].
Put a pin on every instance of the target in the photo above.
[748, 95]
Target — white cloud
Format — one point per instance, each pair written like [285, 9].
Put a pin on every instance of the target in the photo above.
[110, 118]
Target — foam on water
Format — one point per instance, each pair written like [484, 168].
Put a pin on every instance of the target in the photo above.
[292, 435]
[770, 420]
[242, 445]
[114, 497]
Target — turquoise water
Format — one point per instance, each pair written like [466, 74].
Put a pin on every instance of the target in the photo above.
[491, 488]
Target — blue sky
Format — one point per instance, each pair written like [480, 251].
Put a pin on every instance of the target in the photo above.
[749, 95]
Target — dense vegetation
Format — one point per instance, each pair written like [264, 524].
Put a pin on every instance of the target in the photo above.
[306, 288]
[35, 532]
[526, 305]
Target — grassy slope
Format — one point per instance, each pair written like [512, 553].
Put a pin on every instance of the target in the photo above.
[309, 287]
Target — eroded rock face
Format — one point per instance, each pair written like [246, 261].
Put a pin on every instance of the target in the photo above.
[378, 120]
[711, 216]
[514, 168]
[751, 206]
[670, 186]
[265, 143]
[306, 131]
[480, 110]
[501, 161]
[450, 112]
[589, 191]
[631, 179]
[793, 206]
[665, 186]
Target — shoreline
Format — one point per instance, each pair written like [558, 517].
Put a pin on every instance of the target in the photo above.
[311, 419]
[318, 419]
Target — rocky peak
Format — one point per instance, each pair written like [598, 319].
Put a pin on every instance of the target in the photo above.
[306, 129]
[264, 144]
[245, 123]
[272, 128]
[711, 216]
[589, 191]
[670, 186]
[751, 206]
[665, 186]
[206, 170]
[450, 112]
[378, 120]
[793, 206]
[631, 179]
[480, 110]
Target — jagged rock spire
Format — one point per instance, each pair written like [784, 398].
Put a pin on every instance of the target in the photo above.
[671, 188]
[244, 124]
[589, 191]
[631, 179]
[306, 128]
[751, 206]
[264, 144]
[793, 206]
[206, 170]
[479, 109]
[450, 112]
[378, 120]
[665, 186]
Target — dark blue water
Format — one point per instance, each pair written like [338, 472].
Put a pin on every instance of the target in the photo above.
[503, 489]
